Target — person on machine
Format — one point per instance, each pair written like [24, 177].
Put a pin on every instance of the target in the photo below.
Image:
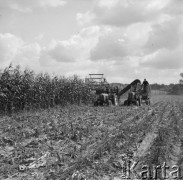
[145, 82]
[145, 86]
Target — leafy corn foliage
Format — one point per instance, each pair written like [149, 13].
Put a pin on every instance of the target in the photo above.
[25, 90]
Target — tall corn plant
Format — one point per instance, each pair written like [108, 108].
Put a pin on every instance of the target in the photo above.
[21, 90]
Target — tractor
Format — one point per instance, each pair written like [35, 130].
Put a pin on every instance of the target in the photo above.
[106, 98]
[137, 95]
[104, 93]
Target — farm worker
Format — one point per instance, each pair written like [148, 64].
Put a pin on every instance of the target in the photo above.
[145, 86]
[145, 82]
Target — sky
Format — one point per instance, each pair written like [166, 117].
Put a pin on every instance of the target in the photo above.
[123, 39]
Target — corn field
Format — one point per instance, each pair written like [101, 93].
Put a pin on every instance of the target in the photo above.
[25, 90]
[87, 143]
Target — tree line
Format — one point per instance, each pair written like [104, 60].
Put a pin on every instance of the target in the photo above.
[174, 89]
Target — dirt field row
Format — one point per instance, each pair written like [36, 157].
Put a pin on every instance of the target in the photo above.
[94, 142]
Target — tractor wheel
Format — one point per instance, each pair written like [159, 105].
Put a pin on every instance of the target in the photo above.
[129, 103]
[101, 103]
[148, 102]
[95, 103]
[140, 102]
[109, 103]
[126, 103]
[137, 103]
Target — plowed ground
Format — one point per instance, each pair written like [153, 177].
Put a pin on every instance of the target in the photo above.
[94, 142]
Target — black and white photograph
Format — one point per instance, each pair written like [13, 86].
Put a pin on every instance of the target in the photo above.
[91, 89]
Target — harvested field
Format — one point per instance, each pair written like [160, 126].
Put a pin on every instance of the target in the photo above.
[85, 142]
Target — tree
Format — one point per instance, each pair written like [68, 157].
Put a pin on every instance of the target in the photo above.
[181, 80]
